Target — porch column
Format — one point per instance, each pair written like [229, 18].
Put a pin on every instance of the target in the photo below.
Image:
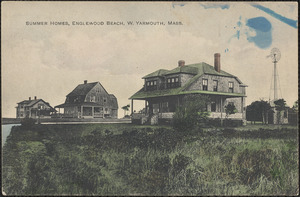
[131, 106]
[244, 112]
[145, 106]
[81, 111]
[242, 108]
[93, 111]
[221, 109]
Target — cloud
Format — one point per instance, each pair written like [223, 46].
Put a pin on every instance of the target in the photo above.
[290, 22]
[263, 30]
[215, 5]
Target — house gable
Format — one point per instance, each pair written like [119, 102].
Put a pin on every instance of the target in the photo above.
[98, 94]
[42, 103]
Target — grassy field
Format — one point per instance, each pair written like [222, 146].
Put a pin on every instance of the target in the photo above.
[125, 159]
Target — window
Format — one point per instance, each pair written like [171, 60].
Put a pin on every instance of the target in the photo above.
[76, 100]
[104, 100]
[41, 106]
[204, 84]
[151, 85]
[97, 110]
[213, 106]
[92, 98]
[21, 106]
[215, 89]
[164, 107]
[285, 114]
[230, 85]
[173, 82]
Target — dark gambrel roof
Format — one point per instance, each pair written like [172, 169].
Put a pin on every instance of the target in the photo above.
[82, 89]
[197, 70]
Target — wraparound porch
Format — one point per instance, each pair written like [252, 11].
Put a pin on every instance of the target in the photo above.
[85, 110]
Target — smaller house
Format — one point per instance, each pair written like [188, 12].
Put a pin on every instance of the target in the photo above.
[278, 117]
[89, 100]
[36, 108]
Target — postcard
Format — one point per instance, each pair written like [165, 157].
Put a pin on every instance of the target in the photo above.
[149, 98]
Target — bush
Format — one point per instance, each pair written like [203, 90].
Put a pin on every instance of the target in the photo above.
[215, 122]
[191, 113]
[28, 122]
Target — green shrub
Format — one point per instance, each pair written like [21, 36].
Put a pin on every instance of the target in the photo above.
[191, 113]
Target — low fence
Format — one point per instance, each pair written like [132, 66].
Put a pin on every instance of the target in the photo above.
[232, 116]
[50, 120]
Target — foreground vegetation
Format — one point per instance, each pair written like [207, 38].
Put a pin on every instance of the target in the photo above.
[120, 159]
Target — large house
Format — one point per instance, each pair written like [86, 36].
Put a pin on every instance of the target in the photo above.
[34, 108]
[90, 100]
[164, 89]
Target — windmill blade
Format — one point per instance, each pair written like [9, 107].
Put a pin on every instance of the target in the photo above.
[275, 54]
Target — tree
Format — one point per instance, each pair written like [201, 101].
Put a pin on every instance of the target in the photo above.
[191, 113]
[230, 109]
[279, 106]
[125, 108]
[258, 111]
[295, 107]
[264, 108]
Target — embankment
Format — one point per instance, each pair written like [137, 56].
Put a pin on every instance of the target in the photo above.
[125, 159]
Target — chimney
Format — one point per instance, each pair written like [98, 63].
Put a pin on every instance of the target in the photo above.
[85, 81]
[30, 98]
[217, 62]
[34, 97]
[181, 63]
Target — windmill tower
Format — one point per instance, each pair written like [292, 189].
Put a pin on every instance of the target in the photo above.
[278, 117]
[275, 56]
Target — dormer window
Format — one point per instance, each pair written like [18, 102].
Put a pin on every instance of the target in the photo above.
[230, 85]
[151, 85]
[204, 84]
[104, 100]
[173, 82]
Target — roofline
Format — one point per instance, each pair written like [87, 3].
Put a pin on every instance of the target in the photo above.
[84, 84]
[193, 92]
[180, 73]
[152, 76]
[77, 104]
